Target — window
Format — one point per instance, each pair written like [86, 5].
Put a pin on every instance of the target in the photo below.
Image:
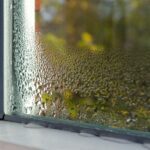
[85, 61]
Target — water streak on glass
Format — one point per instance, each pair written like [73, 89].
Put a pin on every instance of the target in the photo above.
[83, 60]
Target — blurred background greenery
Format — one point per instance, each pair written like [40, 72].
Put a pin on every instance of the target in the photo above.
[95, 24]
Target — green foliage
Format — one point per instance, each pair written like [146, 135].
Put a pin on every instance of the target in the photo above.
[46, 98]
[73, 113]
[68, 95]
[53, 41]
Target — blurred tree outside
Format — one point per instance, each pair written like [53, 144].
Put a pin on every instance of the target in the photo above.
[110, 23]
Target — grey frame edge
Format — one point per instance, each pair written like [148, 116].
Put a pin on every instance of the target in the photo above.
[131, 135]
[1, 59]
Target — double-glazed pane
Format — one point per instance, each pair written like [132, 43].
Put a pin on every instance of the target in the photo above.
[82, 60]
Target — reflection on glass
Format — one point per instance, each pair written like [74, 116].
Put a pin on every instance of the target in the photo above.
[90, 62]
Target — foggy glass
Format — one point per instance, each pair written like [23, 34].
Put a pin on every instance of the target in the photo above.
[82, 60]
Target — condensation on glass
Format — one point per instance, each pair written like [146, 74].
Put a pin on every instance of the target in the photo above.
[82, 60]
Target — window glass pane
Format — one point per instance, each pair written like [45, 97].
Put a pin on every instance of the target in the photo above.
[82, 60]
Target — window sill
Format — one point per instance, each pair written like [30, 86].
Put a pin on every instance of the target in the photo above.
[33, 136]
